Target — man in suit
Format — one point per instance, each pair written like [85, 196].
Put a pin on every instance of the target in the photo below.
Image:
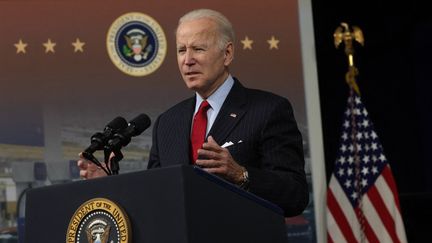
[252, 139]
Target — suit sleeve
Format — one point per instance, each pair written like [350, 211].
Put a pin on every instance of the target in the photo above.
[154, 161]
[282, 178]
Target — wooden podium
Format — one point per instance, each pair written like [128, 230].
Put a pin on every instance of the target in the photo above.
[181, 204]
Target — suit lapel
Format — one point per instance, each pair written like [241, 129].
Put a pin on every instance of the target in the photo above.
[182, 131]
[232, 111]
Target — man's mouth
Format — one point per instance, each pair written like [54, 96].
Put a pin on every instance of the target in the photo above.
[191, 73]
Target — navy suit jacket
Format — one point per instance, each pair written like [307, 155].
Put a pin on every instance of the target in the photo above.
[266, 141]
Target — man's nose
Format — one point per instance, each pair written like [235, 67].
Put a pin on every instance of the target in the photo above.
[189, 58]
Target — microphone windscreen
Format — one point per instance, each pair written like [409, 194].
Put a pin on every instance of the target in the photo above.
[140, 123]
[118, 123]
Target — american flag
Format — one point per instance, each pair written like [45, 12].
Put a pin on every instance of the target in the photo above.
[362, 199]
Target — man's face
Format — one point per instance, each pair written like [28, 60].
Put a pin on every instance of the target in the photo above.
[202, 63]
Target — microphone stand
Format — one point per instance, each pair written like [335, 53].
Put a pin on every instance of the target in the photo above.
[113, 165]
[114, 161]
[107, 153]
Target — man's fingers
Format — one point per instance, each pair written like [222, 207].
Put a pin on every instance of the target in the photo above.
[82, 163]
[211, 140]
[208, 163]
[83, 173]
[211, 145]
[210, 154]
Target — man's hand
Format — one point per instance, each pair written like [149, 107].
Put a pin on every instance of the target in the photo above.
[88, 170]
[219, 161]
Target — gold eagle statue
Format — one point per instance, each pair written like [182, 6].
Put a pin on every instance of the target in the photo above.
[343, 33]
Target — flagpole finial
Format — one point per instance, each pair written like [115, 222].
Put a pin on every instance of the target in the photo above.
[344, 34]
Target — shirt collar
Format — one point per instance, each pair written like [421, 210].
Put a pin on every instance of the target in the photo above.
[217, 99]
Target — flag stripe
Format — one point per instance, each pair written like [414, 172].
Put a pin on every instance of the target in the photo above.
[384, 213]
[391, 183]
[373, 217]
[342, 222]
[346, 207]
[387, 196]
[329, 239]
[335, 234]
[369, 233]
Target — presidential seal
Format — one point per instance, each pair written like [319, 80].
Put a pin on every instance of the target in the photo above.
[99, 220]
[136, 44]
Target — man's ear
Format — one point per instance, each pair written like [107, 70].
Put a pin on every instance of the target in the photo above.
[229, 53]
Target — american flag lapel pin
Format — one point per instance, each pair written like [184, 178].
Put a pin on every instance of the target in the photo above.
[234, 115]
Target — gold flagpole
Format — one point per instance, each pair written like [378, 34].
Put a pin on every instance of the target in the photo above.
[344, 33]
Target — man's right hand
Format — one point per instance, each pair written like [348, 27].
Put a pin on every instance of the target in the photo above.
[88, 170]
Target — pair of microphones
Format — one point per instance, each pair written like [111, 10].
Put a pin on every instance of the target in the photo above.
[116, 135]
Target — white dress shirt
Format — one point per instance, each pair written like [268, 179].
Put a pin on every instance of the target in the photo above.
[215, 100]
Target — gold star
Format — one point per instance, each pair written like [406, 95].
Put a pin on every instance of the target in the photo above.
[273, 42]
[20, 46]
[49, 46]
[78, 45]
[247, 43]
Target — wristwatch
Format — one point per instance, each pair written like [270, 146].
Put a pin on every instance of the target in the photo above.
[245, 182]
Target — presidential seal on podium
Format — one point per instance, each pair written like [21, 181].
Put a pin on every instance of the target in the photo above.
[99, 220]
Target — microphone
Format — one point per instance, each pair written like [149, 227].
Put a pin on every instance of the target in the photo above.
[122, 138]
[99, 140]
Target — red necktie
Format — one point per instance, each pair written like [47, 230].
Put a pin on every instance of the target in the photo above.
[199, 129]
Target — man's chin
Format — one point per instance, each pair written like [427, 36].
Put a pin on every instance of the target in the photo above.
[193, 83]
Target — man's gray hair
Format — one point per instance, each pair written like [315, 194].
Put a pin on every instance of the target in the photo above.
[223, 24]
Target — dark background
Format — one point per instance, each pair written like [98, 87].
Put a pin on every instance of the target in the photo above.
[394, 70]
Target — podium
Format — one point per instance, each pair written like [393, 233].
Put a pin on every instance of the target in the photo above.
[181, 204]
